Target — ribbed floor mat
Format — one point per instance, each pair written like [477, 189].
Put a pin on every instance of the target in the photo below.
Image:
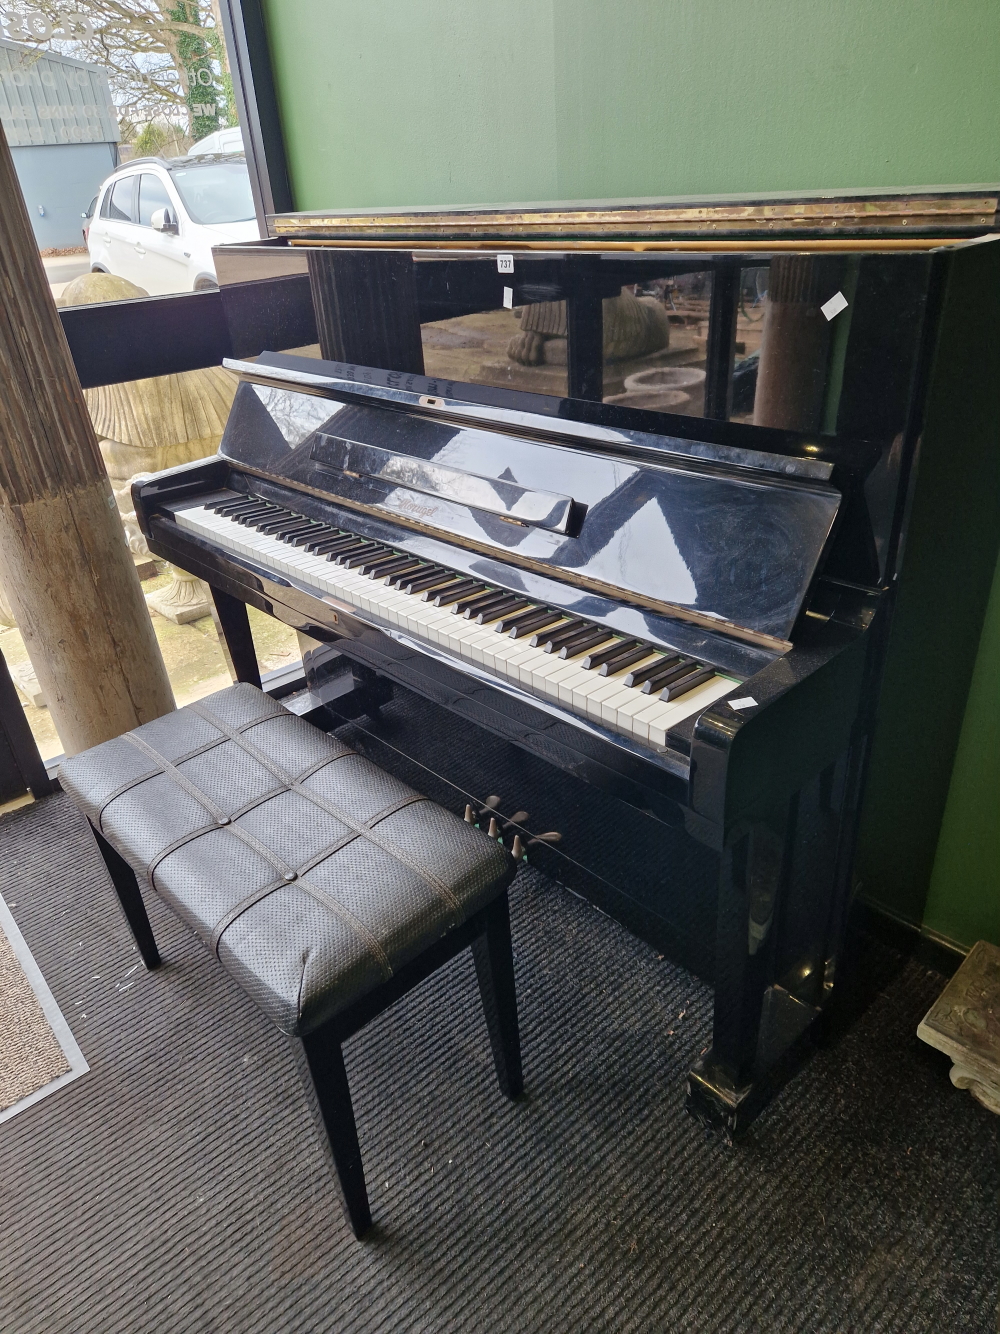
[179, 1186]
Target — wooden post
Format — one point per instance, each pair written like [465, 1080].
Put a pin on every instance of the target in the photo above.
[67, 571]
[795, 345]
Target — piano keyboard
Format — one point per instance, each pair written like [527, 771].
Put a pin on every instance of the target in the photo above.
[622, 683]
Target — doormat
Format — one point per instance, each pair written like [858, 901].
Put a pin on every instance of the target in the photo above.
[38, 1053]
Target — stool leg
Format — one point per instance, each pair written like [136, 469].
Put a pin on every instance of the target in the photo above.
[129, 896]
[321, 1065]
[495, 970]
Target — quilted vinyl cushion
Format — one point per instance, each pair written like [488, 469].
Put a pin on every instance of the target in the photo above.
[311, 872]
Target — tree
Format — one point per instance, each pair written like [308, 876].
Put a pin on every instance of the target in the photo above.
[164, 58]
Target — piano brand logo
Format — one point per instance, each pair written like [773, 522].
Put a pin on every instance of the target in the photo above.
[414, 507]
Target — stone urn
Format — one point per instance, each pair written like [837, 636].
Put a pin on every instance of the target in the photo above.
[634, 326]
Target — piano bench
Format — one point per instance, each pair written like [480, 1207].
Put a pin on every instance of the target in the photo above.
[324, 886]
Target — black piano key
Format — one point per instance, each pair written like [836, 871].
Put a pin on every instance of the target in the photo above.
[662, 664]
[584, 640]
[270, 526]
[448, 587]
[480, 601]
[667, 674]
[351, 560]
[327, 546]
[354, 546]
[227, 507]
[372, 564]
[471, 606]
[288, 531]
[615, 665]
[505, 608]
[252, 515]
[549, 641]
[396, 566]
[603, 655]
[411, 577]
[687, 683]
[493, 597]
[458, 604]
[526, 622]
[428, 580]
[321, 532]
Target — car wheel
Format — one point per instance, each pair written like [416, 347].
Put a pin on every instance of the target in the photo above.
[206, 285]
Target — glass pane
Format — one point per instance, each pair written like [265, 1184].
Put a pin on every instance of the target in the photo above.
[655, 336]
[121, 200]
[214, 192]
[29, 691]
[152, 195]
[517, 347]
[749, 332]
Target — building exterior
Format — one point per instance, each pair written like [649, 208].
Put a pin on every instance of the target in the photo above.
[62, 129]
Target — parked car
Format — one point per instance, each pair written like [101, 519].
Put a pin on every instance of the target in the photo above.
[88, 217]
[156, 220]
[229, 140]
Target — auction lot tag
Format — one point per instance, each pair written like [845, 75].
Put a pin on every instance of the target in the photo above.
[505, 264]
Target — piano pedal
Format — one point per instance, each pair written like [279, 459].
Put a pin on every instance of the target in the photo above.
[553, 836]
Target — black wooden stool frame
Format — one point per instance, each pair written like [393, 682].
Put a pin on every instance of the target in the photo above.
[319, 1054]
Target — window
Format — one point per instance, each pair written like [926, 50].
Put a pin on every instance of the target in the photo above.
[121, 200]
[106, 204]
[215, 192]
[152, 195]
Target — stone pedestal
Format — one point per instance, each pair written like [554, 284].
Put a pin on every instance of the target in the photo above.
[186, 598]
[26, 683]
[964, 1023]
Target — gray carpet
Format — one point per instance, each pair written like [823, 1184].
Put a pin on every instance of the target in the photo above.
[179, 1186]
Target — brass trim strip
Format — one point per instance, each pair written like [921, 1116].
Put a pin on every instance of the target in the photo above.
[747, 247]
[871, 210]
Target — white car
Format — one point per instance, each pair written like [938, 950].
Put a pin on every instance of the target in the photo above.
[156, 220]
[229, 140]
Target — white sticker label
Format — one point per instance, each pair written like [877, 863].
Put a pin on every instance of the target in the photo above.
[834, 306]
[508, 298]
[505, 263]
[747, 702]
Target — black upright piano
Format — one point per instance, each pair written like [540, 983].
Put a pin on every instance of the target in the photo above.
[637, 511]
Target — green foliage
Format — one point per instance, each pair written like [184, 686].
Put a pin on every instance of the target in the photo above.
[160, 139]
[195, 55]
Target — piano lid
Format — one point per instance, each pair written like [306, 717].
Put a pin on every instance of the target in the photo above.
[731, 546]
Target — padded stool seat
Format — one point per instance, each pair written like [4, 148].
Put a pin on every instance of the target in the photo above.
[324, 886]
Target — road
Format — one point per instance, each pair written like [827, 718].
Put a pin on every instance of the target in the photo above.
[62, 269]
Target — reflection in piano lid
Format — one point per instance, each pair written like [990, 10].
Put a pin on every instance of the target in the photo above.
[734, 545]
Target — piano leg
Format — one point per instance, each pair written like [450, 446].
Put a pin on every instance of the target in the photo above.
[758, 1025]
[235, 639]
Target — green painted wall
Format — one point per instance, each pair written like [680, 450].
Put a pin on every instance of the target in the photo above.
[409, 102]
[481, 101]
[964, 898]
